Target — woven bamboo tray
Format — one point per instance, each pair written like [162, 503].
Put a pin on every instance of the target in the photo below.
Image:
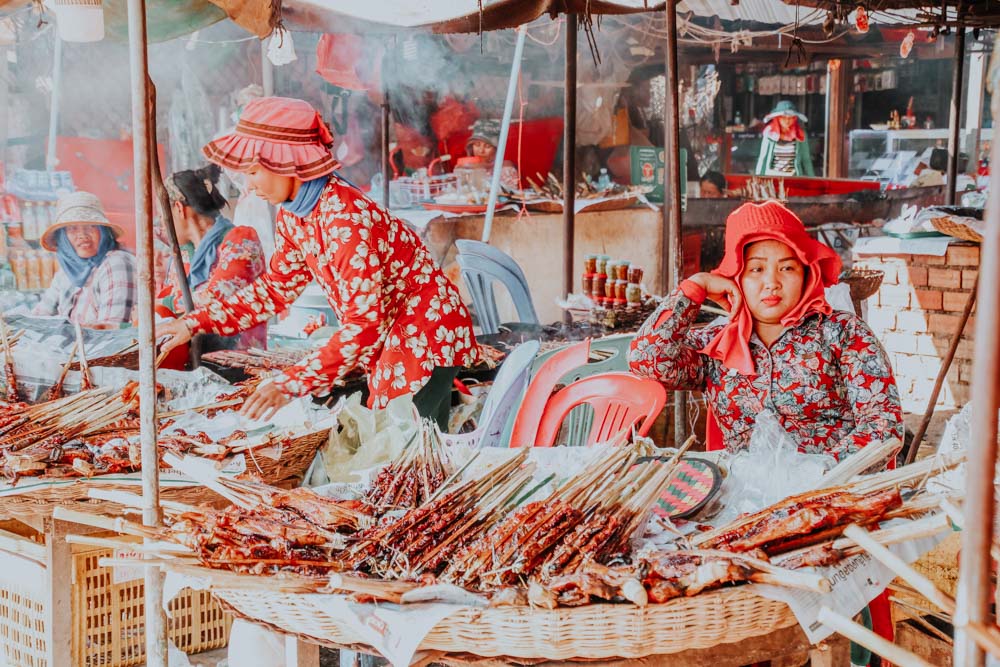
[946, 225]
[590, 632]
[286, 472]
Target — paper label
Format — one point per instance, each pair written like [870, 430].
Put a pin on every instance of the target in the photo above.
[121, 574]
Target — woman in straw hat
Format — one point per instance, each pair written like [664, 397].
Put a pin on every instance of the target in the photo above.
[822, 373]
[226, 258]
[401, 319]
[95, 284]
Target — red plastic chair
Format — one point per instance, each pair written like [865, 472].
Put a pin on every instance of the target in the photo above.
[619, 400]
[529, 415]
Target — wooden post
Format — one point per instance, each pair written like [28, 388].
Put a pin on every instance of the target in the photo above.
[156, 626]
[299, 653]
[569, 158]
[58, 610]
[838, 74]
[57, 68]
[955, 114]
[979, 508]
[673, 172]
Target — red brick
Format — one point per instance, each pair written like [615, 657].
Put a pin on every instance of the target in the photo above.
[956, 301]
[963, 255]
[969, 278]
[910, 321]
[945, 325]
[915, 275]
[929, 260]
[944, 278]
[928, 299]
[897, 296]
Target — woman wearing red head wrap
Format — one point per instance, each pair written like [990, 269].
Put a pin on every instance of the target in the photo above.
[784, 349]
[401, 319]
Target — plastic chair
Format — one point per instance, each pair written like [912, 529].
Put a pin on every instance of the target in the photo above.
[529, 416]
[580, 419]
[482, 265]
[502, 400]
[619, 401]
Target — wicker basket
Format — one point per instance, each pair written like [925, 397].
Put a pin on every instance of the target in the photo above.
[589, 632]
[863, 283]
[286, 472]
[947, 225]
[108, 627]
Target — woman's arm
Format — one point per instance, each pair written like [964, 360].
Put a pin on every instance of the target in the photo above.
[871, 389]
[664, 348]
[115, 284]
[258, 302]
[49, 304]
[358, 272]
[239, 261]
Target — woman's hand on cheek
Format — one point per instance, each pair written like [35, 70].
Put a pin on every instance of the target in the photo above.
[723, 291]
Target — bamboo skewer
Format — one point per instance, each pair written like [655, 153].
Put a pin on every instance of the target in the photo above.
[86, 382]
[871, 641]
[924, 585]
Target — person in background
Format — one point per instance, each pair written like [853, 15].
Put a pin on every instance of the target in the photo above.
[226, 258]
[712, 185]
[96, 282]
[784, 150]
[483, 145]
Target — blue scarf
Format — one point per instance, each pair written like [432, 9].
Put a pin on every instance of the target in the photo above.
[207, 251]
[307, 198]
[76, 268]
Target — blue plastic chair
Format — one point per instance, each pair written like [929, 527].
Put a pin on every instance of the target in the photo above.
[482, 265]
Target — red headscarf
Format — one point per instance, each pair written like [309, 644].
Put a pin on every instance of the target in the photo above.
[762, 222]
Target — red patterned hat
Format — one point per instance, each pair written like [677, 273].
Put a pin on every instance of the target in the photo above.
[281, 134]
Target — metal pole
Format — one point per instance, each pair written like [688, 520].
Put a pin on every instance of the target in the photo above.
[956, 338]
[156, 626]
[508, 107]
[672, 194]
[972, 605]
[569, 158]
[266, 69]
[385, 144]
[826, 121]
[50, 154]
[955, 114]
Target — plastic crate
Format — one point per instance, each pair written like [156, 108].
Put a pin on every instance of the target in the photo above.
[107, 611]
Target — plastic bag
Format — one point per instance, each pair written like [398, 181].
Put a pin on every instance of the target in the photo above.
[770, 469]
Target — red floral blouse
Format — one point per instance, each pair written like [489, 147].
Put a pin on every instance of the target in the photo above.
[400, 317]
[827, 379]
[239, 260]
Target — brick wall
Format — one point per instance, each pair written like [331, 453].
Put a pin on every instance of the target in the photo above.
[915, 313]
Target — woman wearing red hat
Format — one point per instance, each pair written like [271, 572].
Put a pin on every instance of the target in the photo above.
[401, 319]
[784, 349]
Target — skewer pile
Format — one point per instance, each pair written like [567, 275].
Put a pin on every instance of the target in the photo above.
[411, 480]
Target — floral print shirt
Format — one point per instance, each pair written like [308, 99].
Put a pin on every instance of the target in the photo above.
[239, 260]
[827, 379]
[400, 317]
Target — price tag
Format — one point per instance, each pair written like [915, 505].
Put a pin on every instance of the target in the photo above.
[121, 574]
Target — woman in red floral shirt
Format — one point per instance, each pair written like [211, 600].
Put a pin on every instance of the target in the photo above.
[823, 373]
[401, 319]
[226, 258]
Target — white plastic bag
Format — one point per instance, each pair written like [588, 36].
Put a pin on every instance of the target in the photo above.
[770, 469]
[252, 646]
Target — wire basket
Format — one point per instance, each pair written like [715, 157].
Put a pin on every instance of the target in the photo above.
[426, 189]
[951, 227]
[863, 283]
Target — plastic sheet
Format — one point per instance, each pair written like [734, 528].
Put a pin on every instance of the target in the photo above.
[773, 455]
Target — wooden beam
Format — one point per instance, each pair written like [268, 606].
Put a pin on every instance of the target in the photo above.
[839, 75]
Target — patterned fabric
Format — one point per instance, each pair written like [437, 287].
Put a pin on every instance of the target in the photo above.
[783, 161]
[400, 317]
[827, 379]
[105, 299]
[239, 260]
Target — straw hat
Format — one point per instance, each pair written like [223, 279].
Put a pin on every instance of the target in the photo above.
[77, 208]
